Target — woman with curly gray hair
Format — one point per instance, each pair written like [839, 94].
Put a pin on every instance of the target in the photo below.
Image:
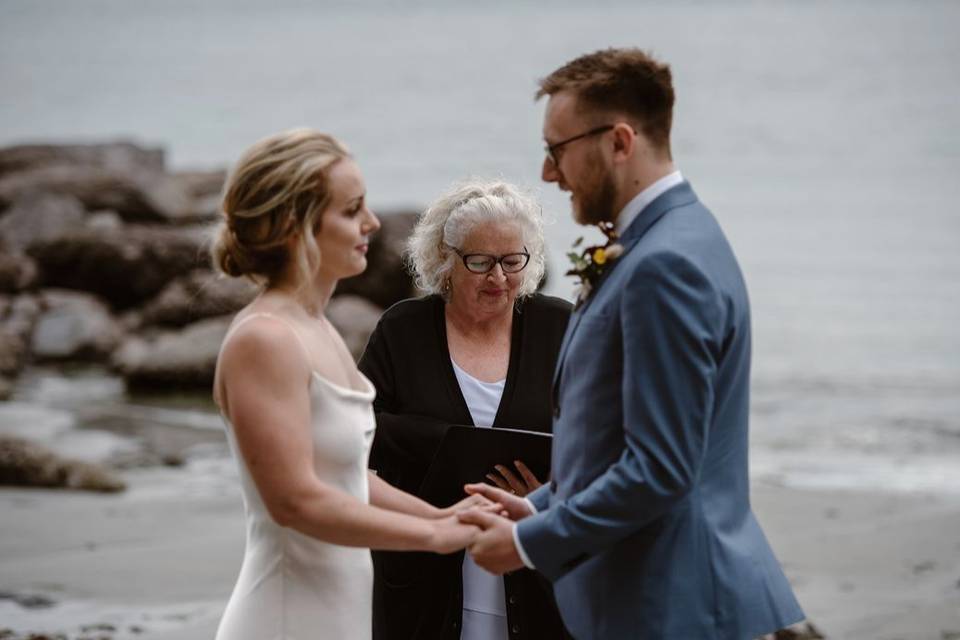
[479, 349]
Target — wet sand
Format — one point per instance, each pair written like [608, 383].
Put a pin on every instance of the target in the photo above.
[158, 561]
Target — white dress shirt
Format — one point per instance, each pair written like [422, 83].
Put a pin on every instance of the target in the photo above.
[640, 201]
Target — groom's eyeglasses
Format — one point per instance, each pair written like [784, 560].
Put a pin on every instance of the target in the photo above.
[484, 262]
[552, 149]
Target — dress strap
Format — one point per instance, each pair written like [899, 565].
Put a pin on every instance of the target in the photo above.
[281, 319]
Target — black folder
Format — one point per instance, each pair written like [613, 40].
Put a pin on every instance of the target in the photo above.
[468, 454]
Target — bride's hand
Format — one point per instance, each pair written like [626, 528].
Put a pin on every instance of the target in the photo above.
[469, 502]
[450, 535]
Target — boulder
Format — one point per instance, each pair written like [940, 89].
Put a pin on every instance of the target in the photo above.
[200, 294]
[28, 464]
[386, 279]
[20, 315]
[74, 326]
[137, 195]
[17, 319]
[116, 156]
[104, 220]
[355, 318]
[173, 359]
[126, 266]
[39, 216]
[18, 272]
[205, 188]
[13, 353]
[201, 184]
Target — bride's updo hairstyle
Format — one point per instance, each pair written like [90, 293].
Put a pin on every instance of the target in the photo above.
[275, 193]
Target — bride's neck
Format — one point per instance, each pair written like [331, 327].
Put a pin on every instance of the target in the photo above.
[311, 297]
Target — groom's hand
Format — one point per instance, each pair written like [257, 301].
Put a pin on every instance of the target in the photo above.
[492, 548]
[516, 507]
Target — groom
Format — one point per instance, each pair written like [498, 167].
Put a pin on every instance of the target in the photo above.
[646, 529]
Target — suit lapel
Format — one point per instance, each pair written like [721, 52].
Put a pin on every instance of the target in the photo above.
[680, 195]
[571, 328]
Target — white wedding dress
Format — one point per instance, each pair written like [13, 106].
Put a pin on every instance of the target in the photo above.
[292, 586]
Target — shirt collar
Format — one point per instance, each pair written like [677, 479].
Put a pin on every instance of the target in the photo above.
[640, 201]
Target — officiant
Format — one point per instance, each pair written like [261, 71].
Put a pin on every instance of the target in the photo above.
[479, 350]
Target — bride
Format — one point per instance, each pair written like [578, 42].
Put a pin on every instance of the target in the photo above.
[298, 413]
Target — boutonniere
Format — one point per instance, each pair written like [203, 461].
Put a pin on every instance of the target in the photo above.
[593, 261]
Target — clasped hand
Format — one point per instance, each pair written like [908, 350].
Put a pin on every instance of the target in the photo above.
[493, 547]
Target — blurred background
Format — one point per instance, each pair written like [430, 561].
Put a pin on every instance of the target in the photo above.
[825, 137]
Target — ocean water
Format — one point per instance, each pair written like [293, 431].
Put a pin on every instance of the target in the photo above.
[824, 136]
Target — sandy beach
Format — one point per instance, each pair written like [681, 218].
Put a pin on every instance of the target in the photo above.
[159, 560]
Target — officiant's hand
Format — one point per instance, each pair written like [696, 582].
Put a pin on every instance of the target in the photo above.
[520, 483]
[516, 508]
[492, 548]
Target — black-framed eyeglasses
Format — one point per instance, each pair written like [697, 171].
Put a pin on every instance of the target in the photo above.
[484, 262]
[551, 149]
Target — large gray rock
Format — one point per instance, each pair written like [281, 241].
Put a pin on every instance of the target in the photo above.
[355, 318]
[28, 464]
[205, 189]
[18, 272]
[20, 315]
[201, 184]
[116, 156]
[200, 294]
[173, 359]
[17, 319]
[13, 353]
[137, 195]
[386, 280]
[40, 216]
[126, 266]
[74, 326]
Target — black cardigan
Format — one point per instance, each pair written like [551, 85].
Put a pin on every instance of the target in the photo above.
[419, 596]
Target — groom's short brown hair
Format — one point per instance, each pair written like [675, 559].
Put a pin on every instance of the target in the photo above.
[629, 81]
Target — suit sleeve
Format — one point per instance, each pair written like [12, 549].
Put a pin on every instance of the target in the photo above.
[540, 497]
[669, 314]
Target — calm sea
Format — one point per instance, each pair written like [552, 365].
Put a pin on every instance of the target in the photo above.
[825, 136]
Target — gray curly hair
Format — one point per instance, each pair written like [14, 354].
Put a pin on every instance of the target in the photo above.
[450, 220]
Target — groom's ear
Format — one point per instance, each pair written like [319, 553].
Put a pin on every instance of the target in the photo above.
[624, 141]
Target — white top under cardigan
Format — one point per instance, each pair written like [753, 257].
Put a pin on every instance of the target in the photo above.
[484, 608]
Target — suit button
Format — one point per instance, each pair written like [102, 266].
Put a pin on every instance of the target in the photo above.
[515, 629]
[512, 600]
[556, 411]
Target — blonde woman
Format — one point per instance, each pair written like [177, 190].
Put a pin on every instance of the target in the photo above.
[299, 414]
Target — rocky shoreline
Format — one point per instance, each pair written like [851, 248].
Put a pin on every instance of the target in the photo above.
[104, 261]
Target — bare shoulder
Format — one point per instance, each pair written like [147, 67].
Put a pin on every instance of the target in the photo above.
[263, 346]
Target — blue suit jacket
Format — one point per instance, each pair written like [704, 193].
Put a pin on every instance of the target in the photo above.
[646, 529]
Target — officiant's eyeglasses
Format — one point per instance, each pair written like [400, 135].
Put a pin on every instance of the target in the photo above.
[484, 262]
[551, 149]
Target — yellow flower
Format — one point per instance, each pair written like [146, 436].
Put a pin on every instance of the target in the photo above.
[599, 256]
